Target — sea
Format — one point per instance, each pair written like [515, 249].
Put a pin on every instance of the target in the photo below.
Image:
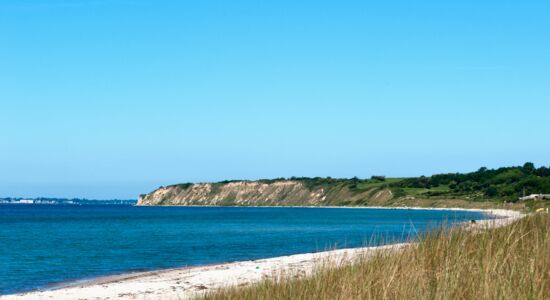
[44, 246]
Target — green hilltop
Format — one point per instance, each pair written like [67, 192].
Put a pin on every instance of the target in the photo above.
[482, 188]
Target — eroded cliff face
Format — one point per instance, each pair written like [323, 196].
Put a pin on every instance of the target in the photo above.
[235, 193]
[248, 193]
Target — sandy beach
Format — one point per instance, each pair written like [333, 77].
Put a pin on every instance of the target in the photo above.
[186, 283]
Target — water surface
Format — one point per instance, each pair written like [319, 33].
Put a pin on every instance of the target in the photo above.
[42, 245]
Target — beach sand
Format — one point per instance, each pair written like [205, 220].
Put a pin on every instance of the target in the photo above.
[186, 283]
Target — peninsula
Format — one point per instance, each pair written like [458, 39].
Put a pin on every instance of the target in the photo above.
[483, 188]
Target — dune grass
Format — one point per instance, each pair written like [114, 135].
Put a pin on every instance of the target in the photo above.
[511, 262]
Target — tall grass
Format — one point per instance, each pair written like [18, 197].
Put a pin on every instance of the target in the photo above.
[511, 262]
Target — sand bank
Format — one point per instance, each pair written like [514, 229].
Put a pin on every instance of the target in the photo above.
[185, 283]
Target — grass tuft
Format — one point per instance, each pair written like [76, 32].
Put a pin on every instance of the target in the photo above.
[511, 262]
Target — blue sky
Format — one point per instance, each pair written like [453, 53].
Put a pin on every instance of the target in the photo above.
[110, 99]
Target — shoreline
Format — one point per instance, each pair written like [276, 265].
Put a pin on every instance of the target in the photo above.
[190, 282]
[481, 210]
[326, 206]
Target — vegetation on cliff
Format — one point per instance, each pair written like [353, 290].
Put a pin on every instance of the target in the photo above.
[503, 183]
[482, 187]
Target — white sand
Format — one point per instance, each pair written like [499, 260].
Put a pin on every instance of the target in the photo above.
[185, 283]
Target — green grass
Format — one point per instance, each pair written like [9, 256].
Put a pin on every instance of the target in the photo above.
[370, 184]
[511, 262]
[422, 191]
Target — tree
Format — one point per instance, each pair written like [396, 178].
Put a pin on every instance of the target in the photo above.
[529, 168]
[491, 191]
[377, 177]
[543, 172]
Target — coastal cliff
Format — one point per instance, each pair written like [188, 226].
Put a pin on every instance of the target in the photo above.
[475, 189]
[309, 192]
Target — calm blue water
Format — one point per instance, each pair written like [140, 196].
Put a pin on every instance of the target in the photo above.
[42, 245]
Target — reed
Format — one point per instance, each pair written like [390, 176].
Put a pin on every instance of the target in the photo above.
[511, 262]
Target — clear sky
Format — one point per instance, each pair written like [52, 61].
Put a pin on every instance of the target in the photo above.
[110, 99]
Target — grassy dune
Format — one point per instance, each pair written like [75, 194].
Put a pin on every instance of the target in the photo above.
[511, 262]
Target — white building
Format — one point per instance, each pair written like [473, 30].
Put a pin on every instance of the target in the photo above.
[535, 197]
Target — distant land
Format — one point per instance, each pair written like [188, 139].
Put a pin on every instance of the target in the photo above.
[482, 188]
[64, 201]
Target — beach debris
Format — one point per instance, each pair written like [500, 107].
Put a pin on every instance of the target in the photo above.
[201, 287]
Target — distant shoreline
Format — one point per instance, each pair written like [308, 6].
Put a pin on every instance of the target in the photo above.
[487, 211]
[330, 206]
[188, 282]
